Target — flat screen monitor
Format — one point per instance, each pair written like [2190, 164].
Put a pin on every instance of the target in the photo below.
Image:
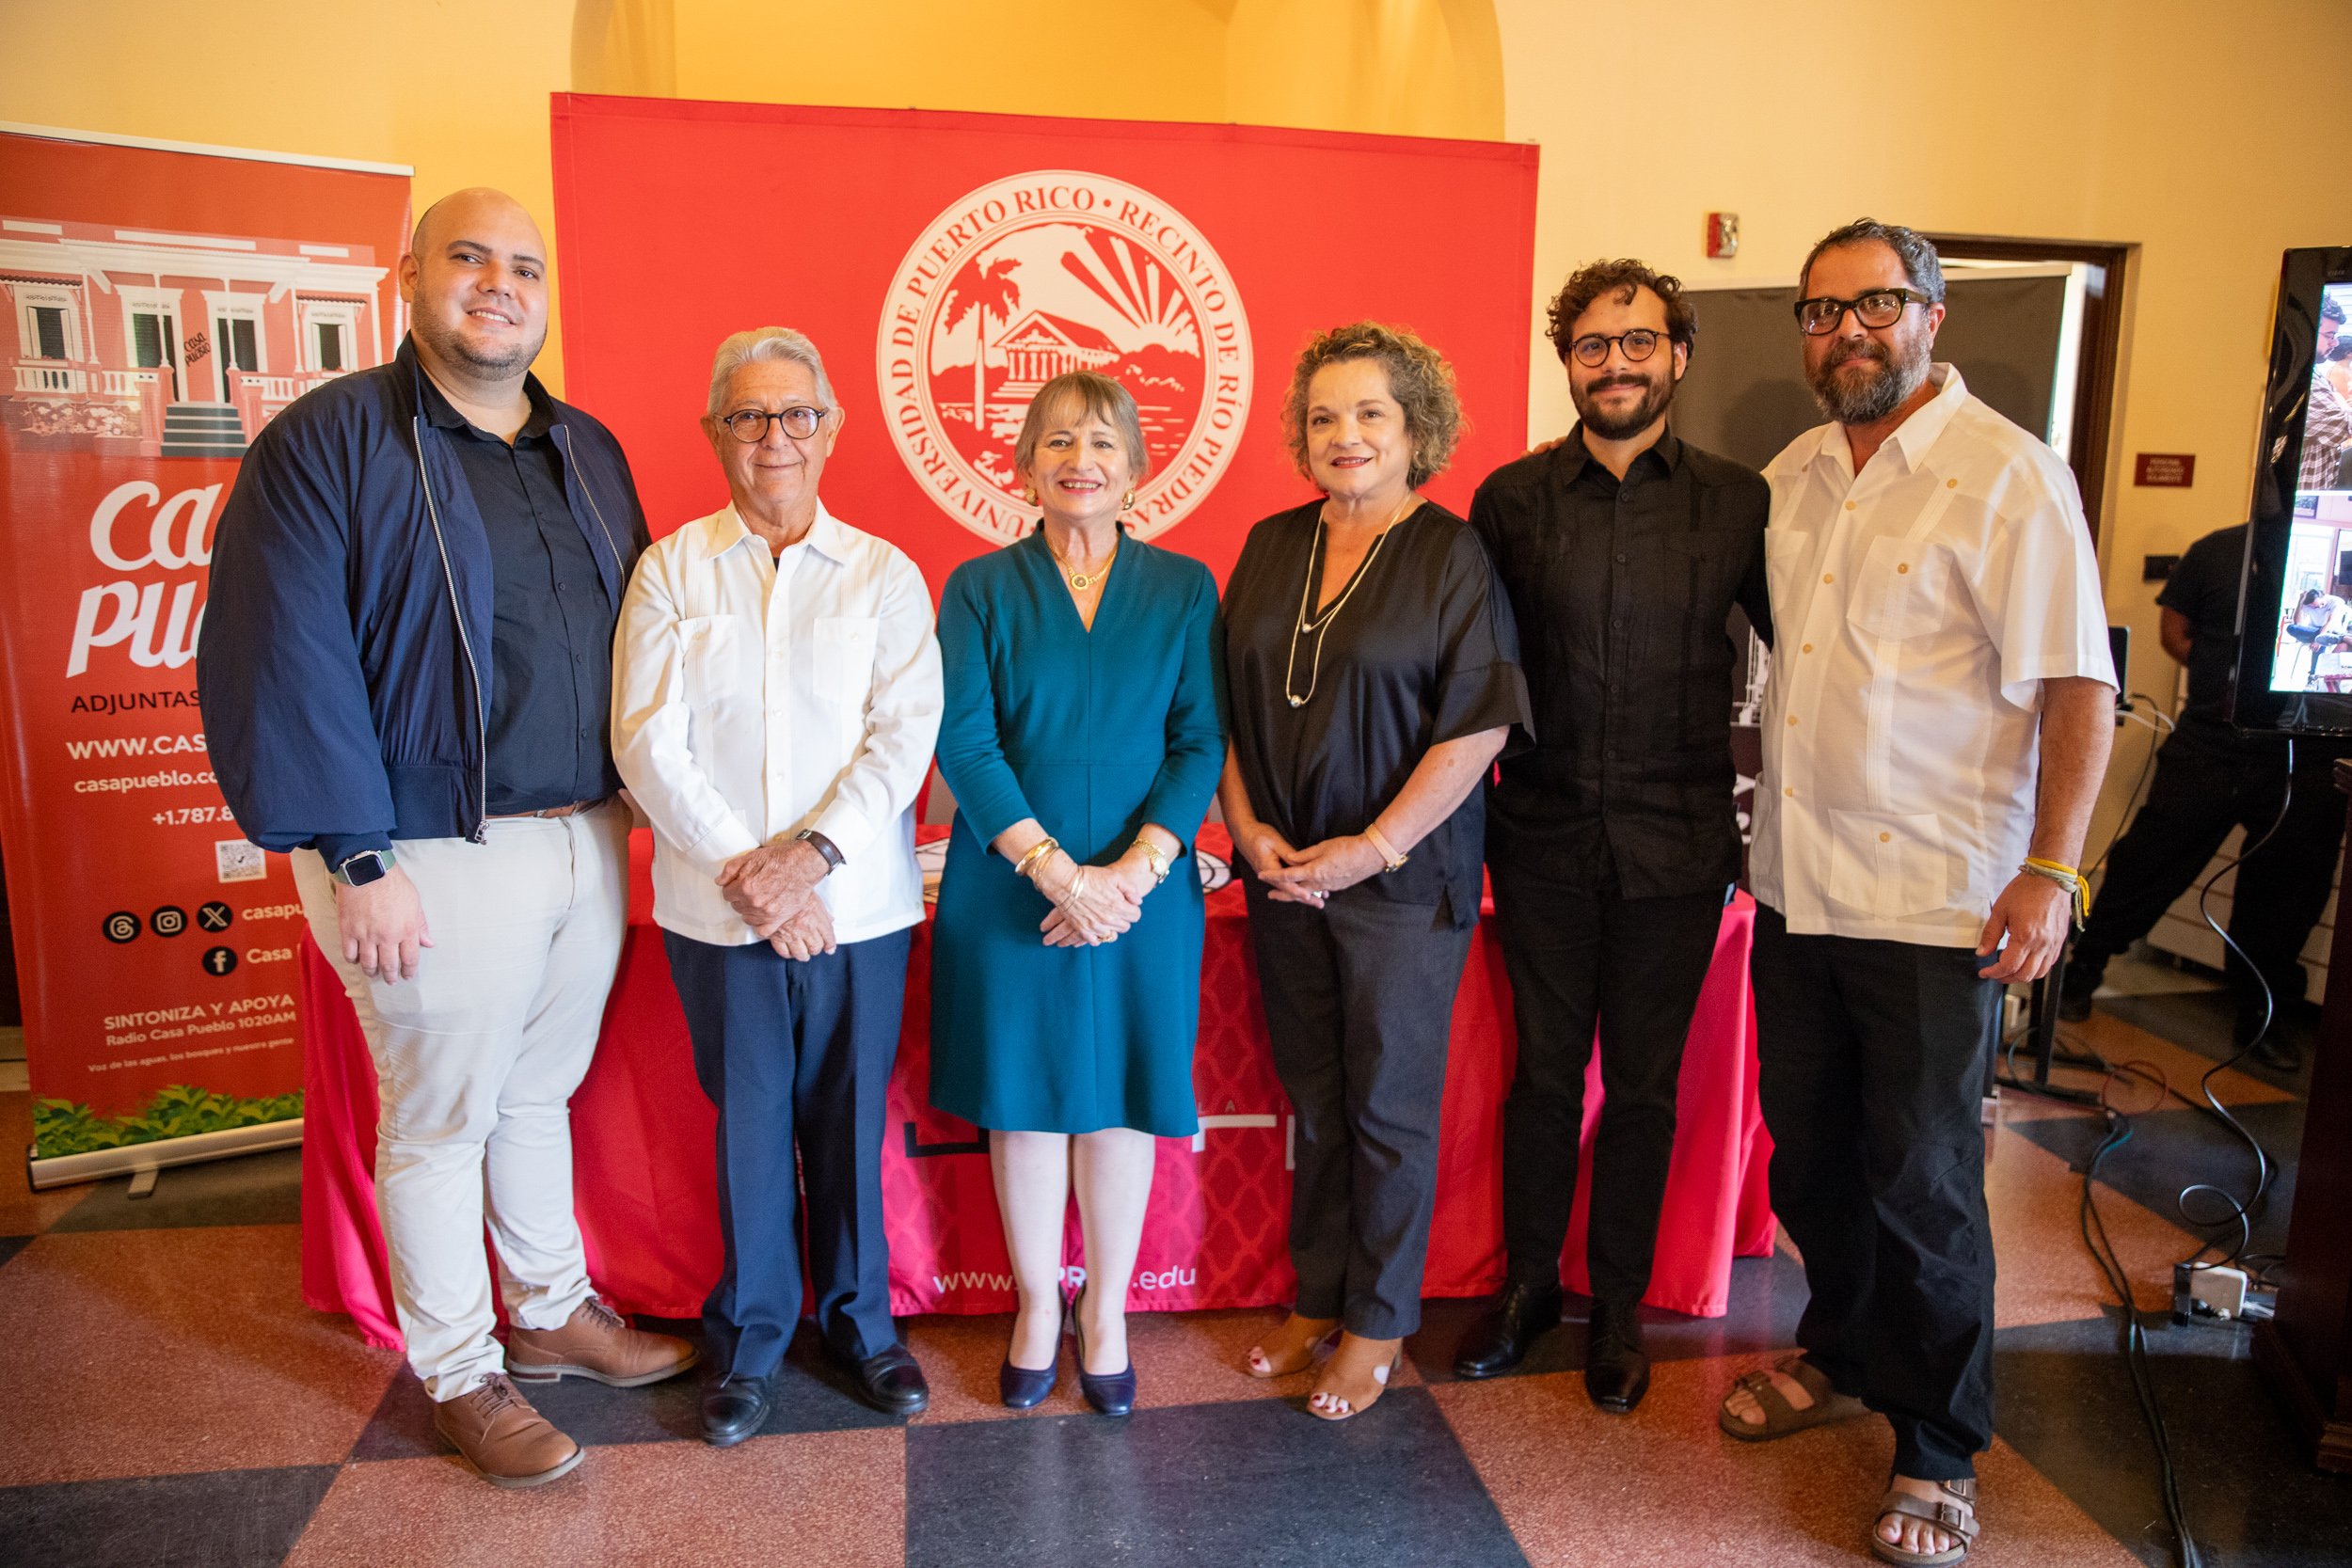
[2295, 602]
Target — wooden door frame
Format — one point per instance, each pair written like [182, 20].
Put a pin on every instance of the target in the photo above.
[2097, 378]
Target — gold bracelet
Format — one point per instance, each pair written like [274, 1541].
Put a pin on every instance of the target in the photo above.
[1151, 852]
[1380, 841]
[1044, 847]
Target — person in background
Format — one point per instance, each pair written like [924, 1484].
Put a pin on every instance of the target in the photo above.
[1941, 707]
[405, 679]
[1612, 843]
[1081, 743]
[2328, 421]
[773, 707]
[2210, 779]
[1374, 678]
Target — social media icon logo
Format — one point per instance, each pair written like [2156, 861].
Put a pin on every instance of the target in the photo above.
[214, 915]
[219, 960]
[122, 926]
[168, 921]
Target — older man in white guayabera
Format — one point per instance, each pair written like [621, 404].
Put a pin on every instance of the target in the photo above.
[775, 695]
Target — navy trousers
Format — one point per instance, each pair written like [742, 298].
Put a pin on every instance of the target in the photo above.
[794, 1053]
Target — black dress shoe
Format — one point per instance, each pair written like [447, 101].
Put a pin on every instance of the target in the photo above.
[1021, 1388]
[1112, 1393]
[891, 1382]
[1616, 1371]
[733, 1408]
[1500, 1340]
[2078, 984]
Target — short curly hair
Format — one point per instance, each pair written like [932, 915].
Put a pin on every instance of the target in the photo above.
[1419, 378]
[1594, 280]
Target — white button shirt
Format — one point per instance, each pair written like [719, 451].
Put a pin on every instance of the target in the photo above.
[755, 695]
[1916, 609]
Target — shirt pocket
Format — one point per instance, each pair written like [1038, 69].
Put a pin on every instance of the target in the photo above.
[708, 657]
[1899, 592]
[844, 667]
[1888, 864]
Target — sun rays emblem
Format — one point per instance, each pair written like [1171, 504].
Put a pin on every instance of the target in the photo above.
[1039, 274]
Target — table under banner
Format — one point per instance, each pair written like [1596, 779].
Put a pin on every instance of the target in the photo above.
[645, 1187]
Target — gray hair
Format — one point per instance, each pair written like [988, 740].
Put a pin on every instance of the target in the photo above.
[771, 344]
[1920, 263]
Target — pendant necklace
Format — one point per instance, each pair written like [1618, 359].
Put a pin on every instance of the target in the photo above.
[1083, 580]
[1321, 624]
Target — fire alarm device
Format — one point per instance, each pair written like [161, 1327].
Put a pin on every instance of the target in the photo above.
[1723, 234]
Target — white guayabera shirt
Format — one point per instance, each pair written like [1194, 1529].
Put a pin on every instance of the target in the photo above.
[754, 696]
[1916, 609]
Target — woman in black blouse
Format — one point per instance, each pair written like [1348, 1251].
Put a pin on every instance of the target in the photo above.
[1374, 679]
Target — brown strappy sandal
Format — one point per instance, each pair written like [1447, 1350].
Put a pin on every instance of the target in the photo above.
[1354, 1379]
[1290, 1348]
[1960, 1520]
[1781, 1419]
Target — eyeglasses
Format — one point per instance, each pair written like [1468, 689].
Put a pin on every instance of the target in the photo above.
[1638, 345]
[1879, 308]
[750, 424]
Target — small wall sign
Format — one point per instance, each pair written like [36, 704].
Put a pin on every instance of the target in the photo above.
[2164, 470]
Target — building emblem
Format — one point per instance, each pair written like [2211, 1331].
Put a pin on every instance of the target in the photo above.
[1037, 274]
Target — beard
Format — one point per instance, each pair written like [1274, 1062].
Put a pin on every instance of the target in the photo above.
[1658, 396]
[451, 343]
[1890, 377]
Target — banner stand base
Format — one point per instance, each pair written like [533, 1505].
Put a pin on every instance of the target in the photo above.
[63, 1170]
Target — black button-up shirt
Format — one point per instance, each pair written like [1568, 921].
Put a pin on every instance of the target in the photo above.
[551, 629]
[1622, 591]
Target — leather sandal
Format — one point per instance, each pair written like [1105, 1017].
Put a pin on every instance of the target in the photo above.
[1291, 1348]
[1781, 1419]
[1953, 1519]
[1354, 1378]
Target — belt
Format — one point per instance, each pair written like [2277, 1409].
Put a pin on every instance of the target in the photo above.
[572, 810]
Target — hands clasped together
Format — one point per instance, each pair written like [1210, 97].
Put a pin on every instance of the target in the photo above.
[773, 888]
[1307, 875]
[1092, 904]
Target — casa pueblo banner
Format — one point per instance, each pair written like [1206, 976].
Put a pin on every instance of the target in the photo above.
[947, 265]
[166, 305]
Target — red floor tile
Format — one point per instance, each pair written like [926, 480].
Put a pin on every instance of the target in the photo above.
[2046, 1274]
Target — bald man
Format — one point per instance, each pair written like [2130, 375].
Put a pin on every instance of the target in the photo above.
[405, 678]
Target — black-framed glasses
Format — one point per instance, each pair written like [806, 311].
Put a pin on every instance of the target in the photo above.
[1592, 351]
[750, 424]
[1879, 308]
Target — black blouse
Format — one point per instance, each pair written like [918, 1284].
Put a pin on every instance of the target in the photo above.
[1423, 651]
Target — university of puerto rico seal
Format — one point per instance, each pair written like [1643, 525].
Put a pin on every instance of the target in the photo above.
[1038, 274]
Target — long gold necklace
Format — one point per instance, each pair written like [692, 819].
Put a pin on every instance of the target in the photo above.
[1321, 624]
[1083, 580]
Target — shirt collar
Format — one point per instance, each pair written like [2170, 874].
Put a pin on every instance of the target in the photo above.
[1915, 434]
[444, 415]
[1574, 454]
[724, 528]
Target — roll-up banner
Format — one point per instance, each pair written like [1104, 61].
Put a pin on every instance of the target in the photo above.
[165, 302]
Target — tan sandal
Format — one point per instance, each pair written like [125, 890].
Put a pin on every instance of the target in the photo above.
[1958, 1520]
[1354, 1379]
[1781, 1419]
[1291, 1348]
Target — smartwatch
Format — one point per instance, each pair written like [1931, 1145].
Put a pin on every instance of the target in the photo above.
[823, 845]
[368, 866]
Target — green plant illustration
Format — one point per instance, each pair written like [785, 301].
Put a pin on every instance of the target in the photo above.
[179, 1111]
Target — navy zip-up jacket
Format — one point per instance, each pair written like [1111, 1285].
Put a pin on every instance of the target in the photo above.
[344, 663]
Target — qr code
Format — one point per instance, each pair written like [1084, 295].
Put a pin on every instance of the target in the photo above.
[239, 860]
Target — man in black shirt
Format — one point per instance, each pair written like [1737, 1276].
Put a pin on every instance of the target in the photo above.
[2210, 779]
[1612, 843]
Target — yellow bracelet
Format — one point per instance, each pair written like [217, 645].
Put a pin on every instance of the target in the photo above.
[2066, 877]
[1044, 847]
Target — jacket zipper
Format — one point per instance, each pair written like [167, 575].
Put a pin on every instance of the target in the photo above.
[481, 719]
[619, 566]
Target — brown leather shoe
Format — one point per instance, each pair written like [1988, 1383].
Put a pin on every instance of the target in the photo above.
[595, 1342]
[504, 1439]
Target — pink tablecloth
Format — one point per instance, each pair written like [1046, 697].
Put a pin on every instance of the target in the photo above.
[645, 1193]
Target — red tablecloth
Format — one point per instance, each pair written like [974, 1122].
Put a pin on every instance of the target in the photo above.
[646, 1197]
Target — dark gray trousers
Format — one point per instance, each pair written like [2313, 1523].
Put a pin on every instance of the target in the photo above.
[1873, 1062]
[1358, 1004]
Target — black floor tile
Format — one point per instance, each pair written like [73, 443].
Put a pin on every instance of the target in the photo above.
[252, 1189]
[2065, 1402]
[2202, 1021]
[2172, 1149]
[811, 1395]
[223, 1519]
[11, 1245]
[1255, 1481]
[1766, 1296]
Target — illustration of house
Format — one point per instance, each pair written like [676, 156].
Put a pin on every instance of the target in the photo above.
[141, 343]
[1035, 349]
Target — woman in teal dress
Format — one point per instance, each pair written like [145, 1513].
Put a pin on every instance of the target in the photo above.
[1082, 741]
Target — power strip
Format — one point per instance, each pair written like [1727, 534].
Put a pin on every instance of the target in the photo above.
[2217, 1293]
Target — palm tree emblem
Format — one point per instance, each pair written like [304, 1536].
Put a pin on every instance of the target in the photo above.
[992, 292]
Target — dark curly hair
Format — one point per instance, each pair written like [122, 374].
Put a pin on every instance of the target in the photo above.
[1591, 280]
[1419, 378]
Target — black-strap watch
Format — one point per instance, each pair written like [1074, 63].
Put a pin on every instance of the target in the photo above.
[823, 845]
[368, 866]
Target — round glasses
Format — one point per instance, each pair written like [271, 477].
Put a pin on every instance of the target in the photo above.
[750, 424]
[1880, 308]
[1637, 345]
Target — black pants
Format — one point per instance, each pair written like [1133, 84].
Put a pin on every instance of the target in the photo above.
[1634, 966]
[791, 1053]
[2202, 789]
[1874, 1056]
[1358, 1005]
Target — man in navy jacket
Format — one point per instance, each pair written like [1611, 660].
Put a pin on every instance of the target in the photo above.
[406, 672]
